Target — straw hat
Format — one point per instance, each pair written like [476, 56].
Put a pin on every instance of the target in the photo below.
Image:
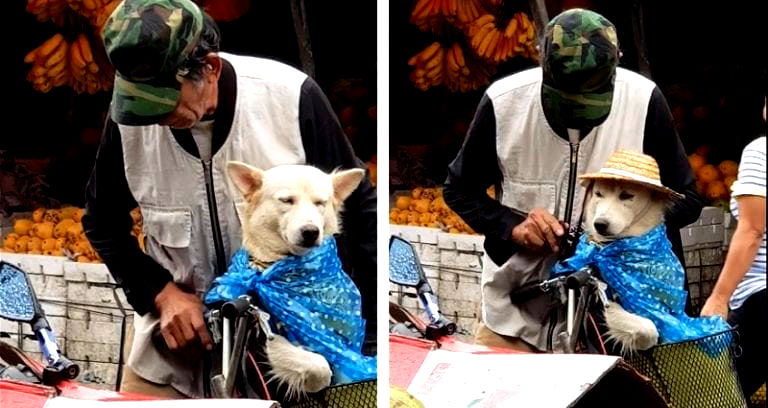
[632, 167]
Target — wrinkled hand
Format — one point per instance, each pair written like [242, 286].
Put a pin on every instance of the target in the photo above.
[715, 306]
[181, 318]
[540, 232]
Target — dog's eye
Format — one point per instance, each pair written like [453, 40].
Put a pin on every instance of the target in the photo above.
[286, 200]
[599, 194]
[625, 196]
[320, 203]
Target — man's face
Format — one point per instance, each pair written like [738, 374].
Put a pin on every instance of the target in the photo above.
[198, 98]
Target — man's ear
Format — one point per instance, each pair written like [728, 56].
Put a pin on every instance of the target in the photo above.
[213, 66]
[246, 178]
[345, 182]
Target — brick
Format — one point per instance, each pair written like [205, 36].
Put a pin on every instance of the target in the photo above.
[94, 352]
[460, 308]
[448, 276]
[706, 289]
[37, 264]
[692, 258]
[729, 222]
[461, 242]
[710, 273]
[711, 256]
[30, 345]
[93, 331]
[431, 272]
[91, 313]
[693, 274]
[688, 238]
[711, 216]
[464, 261]
[99, 375]
[694, 290]
[711, 233]
[58, 325]
[102, 295]
[53, 307]
[49, 286]
[10, 327]
[462, 291]
[429, 254]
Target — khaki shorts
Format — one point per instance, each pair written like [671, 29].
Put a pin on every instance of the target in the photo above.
[487, 337]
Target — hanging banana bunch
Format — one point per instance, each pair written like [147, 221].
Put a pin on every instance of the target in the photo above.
[90, 72]
[49, 64]
[429, 14]
[497, 44]
[437, 65]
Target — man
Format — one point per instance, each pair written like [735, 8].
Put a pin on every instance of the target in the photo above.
[520, 141]
[180, 111]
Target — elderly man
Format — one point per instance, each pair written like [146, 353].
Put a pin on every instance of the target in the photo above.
[524, 131]
[180, 111]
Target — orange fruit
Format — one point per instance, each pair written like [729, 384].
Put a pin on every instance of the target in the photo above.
[716, 190]
[696, 162]
[43, 230]
[421, 206]
[708, 173]
[61, 228]
[402, 217]
[10, 241]
[393, 215]
[49, 244]
[78, 214]
[35, 244]
[425, 218]
[729, 181]
[37, 215]
[413, 217]
[416, 193]
[728, 168]
[701, 187]
[402, 203]
[23, 227]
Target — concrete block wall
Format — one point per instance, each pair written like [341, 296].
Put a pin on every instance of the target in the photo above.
[86, 310]
[705, 246]
[453, 265]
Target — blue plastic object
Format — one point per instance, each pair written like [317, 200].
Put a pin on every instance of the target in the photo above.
[317, 304]
[16, 302]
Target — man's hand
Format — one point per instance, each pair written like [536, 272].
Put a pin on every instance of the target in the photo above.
[181, 318]
[539, 232]
[714, 306]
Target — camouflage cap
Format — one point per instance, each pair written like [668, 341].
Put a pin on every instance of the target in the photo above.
[579, 63]
[148, 42]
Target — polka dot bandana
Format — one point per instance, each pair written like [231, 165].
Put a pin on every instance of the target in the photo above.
[647, 278]
[315, 301]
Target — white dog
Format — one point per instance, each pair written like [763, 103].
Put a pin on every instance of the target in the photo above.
[616, 209]
[289, 210]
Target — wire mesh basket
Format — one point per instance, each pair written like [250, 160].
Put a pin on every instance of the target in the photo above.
[360, 394]
[695, 373]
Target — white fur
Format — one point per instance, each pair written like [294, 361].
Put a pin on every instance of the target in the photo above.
[281, 202]
[626, 210]
[300, 370]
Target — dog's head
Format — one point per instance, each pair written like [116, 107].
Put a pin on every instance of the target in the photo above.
[291, 208]
[615, 209]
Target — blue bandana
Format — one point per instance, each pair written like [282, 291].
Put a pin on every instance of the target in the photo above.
[648, 279]
[314, 298]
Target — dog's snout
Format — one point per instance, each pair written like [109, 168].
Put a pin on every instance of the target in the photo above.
[309, 234]
[601, 226]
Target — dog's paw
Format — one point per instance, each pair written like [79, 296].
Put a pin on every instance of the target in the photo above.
[630, 331]
[300, 371]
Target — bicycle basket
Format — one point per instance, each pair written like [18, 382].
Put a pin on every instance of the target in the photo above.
[358, 394]
[695, 373]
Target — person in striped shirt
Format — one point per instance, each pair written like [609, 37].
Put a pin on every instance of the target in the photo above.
[741, 285]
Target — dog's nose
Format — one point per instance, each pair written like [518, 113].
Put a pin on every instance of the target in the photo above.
[309, 234]
[601, 226]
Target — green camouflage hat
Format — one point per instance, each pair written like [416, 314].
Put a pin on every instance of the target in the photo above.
[579, 63]
[148, 42]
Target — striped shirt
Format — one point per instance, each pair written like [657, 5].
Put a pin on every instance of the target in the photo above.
[751, 181]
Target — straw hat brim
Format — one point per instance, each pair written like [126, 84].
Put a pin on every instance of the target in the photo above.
[672, 194]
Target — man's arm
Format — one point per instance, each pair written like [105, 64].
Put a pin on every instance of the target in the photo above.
[663, 144]
[327, 148]
[107, 223]
[469, 176]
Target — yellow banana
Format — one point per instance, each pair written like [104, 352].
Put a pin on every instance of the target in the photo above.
[54, 71]
[89, 4]
[430, 51]
[76, 56]
[50, 45]
[459, 54]
[511, 28]
[57, 55]
[420, 10]
[93, 67]
[60, 80]
[85, 48]
[31, 56]
[481, 34]
[483, 48]
[450, 61]
[436, 59]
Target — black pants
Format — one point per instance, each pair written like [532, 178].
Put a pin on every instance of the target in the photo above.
[750, 321]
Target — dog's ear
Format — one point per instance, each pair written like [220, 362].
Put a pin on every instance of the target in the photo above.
[247, 179]
[345, 182]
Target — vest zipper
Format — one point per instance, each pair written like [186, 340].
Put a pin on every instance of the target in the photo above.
[218, 242]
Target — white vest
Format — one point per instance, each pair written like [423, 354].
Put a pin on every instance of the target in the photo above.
[534, 163]
[169, 185]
